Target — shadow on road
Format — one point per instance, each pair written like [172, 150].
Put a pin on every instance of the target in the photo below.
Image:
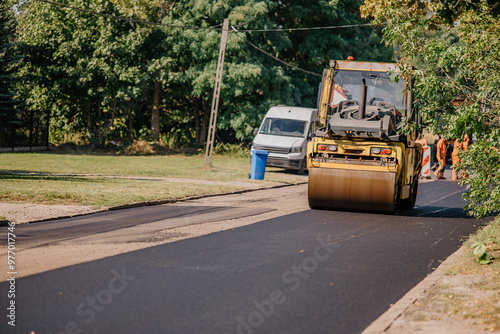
[435, 212]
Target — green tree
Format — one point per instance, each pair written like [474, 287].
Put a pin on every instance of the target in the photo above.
[8, 59]
[153, 54]
[83, 66]
[95, 72]
[246, 81]
[253, 81]
[463, 69]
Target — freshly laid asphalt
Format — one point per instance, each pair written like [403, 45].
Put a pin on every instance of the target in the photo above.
[111, 223]
[308, 272]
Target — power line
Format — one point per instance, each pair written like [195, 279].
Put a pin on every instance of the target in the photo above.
[304, 29]
[281, 61]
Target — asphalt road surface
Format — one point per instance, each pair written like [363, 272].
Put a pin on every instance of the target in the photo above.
[307, 272]
[128, 225]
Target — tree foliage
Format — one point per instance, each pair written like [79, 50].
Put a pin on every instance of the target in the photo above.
[253, 81]
[109, 78]
[451, 48]
[8, 59]
[87, 69]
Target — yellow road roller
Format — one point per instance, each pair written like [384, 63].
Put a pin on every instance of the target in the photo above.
[358, 161]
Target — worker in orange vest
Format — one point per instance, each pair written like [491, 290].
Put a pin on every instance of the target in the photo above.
[457, 147]
[441, 157]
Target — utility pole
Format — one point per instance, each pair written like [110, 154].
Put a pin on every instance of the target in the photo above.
[215, 101]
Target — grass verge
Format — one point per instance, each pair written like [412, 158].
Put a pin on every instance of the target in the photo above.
[472, 290]
[62, 180]
[97, 192]
[484, 244]
[224, 168]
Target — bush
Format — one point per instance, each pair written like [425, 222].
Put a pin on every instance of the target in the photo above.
[233, 150]
[139, 147]
[484, 246]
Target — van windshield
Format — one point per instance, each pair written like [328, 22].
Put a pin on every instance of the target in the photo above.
[284, 127]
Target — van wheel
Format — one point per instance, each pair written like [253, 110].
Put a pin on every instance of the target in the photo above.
[303, 167]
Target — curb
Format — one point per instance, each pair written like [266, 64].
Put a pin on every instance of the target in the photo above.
[158, 202]
[190, 198]
[385, 321]
[4, 222]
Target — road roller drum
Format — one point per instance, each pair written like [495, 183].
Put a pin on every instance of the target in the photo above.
[358, 190]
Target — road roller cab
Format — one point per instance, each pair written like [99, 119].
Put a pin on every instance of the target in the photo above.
[358, 159]
[284, 133]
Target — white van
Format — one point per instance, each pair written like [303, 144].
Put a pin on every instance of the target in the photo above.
[284, 133]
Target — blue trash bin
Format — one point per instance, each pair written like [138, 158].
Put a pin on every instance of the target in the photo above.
[258, 165]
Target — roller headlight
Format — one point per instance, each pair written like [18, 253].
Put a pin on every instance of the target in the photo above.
[381, 151]
[332, 148]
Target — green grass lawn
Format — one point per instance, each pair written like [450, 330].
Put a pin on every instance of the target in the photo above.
[179, 166]
[96, 192]
[59, 187]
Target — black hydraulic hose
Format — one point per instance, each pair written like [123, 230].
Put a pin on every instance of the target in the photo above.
[362, 100]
